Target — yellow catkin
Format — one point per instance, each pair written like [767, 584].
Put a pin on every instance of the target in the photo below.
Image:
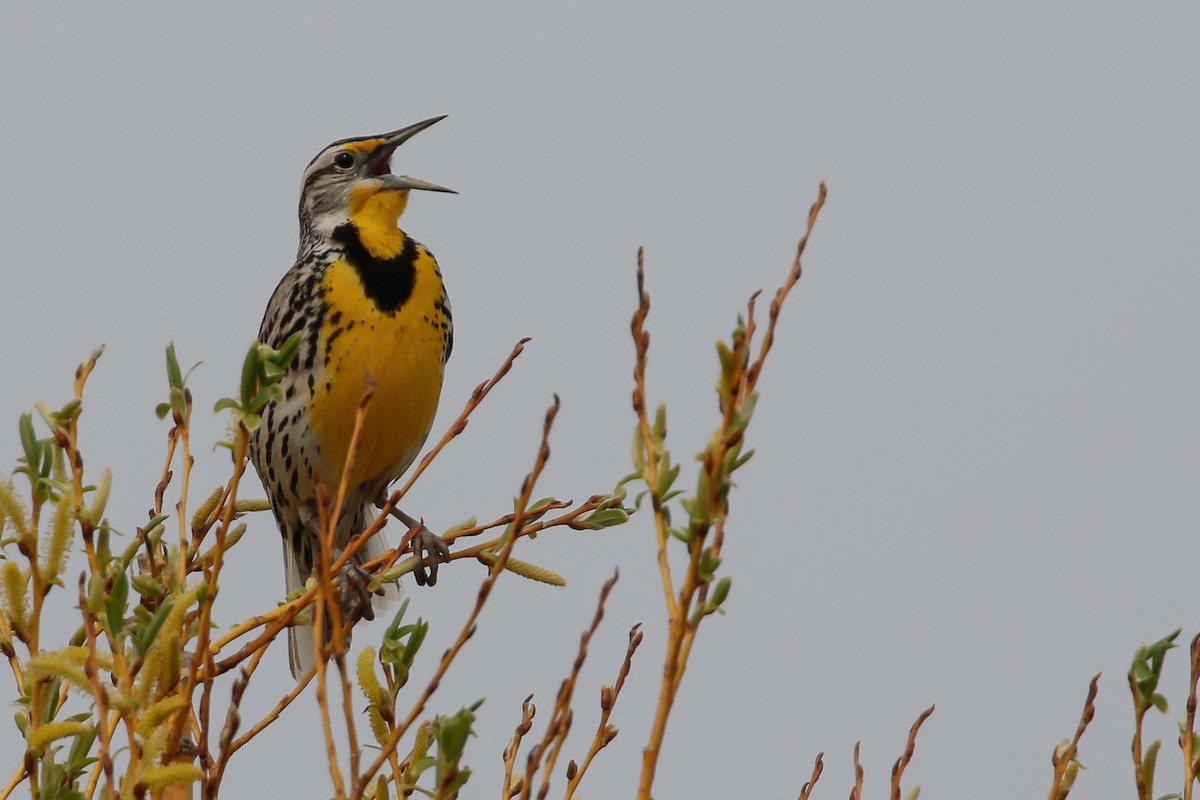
[206, 508]
[48, 732]
[58, 544]
[153, 745]
[466, 524]
[57, 665]
[163, 659]
[160, 777]
[152, 670]
[534, 573]
[160, 672]
[248, 506]
[182, 602]
[15, 581]
[368, 682]
[158, 713]
[420, 748]
[100, 499]
[233, 537]
[12, 510]
[58, 468]
[78, 654]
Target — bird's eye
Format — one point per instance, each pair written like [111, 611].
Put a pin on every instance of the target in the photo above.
[343, 160]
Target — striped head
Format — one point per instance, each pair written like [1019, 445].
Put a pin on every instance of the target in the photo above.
[352, 175]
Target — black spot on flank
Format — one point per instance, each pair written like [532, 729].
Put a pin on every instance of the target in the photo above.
[387, 281]
[335, 318]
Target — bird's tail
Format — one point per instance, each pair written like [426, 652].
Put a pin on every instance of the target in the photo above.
[299, 557]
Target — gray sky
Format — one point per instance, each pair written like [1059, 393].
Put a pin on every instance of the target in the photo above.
[976, 446]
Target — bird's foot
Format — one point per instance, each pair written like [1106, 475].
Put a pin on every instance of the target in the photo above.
[429, 548]
[356, 594]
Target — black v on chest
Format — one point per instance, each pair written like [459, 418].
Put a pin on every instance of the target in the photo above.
[387, 281]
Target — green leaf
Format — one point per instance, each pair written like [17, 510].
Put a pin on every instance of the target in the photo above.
[414, 642]
[1149, 760]
[681, 534]
[287, 353]
[639, 451]
[174, 374]
[660, 423]
[155, 521]
[50, 703]
[605, 518]
[251, 367]
[720, 592]
[29, 441]
[115, 602]
[146, 636]
[452, 738]
[666, 474]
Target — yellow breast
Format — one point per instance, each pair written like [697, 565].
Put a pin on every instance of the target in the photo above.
[386, 316]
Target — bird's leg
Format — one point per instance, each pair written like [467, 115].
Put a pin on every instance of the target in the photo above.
[429, 548]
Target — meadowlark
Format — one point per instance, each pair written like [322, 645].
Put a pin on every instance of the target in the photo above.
[369, 301]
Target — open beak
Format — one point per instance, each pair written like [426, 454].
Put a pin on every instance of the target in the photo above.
[382, 155]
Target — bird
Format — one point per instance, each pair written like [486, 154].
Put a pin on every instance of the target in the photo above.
[371, 308]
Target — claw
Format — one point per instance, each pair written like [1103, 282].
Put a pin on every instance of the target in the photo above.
[429, 548]
[355, 596]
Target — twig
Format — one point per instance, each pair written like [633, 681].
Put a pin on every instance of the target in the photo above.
[1064, 755]
[71, 448]
[273, 714]
[856, 792]
[514, 745]
[641, 341]
[277, 619]
[781, 294]
[233, 721]
[329, 606]
[17, 777]
[818, 767]
[91, 669]
[605, 732]
[559, 723]
[903, 761]
[688, 605]
[1189, 733]
[205, 676]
